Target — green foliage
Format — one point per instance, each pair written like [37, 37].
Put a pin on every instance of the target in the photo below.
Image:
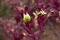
[34, 4]
[5, 9]
[2, 37]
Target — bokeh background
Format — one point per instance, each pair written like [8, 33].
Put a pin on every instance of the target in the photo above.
[51, 28]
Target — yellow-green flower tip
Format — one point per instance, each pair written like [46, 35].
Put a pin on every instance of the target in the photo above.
[27, 17]
[41, 12]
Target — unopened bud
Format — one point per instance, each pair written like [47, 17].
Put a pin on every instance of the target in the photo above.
[27, 17]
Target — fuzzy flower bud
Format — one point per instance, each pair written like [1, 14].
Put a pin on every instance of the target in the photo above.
[27, 17]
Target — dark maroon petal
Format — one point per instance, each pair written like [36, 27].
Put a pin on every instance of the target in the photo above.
[27, 24]
[56, 5]
[33, 9]
[21, 13]
[18, 35]
[39, 8]
[26, 9]
[18, 14]
[41, 18]
[30, 25]
[30, 11]
[41, 22]
[17, 18]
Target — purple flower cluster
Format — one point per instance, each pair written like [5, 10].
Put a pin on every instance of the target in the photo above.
[28, 26]
[52, 8]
